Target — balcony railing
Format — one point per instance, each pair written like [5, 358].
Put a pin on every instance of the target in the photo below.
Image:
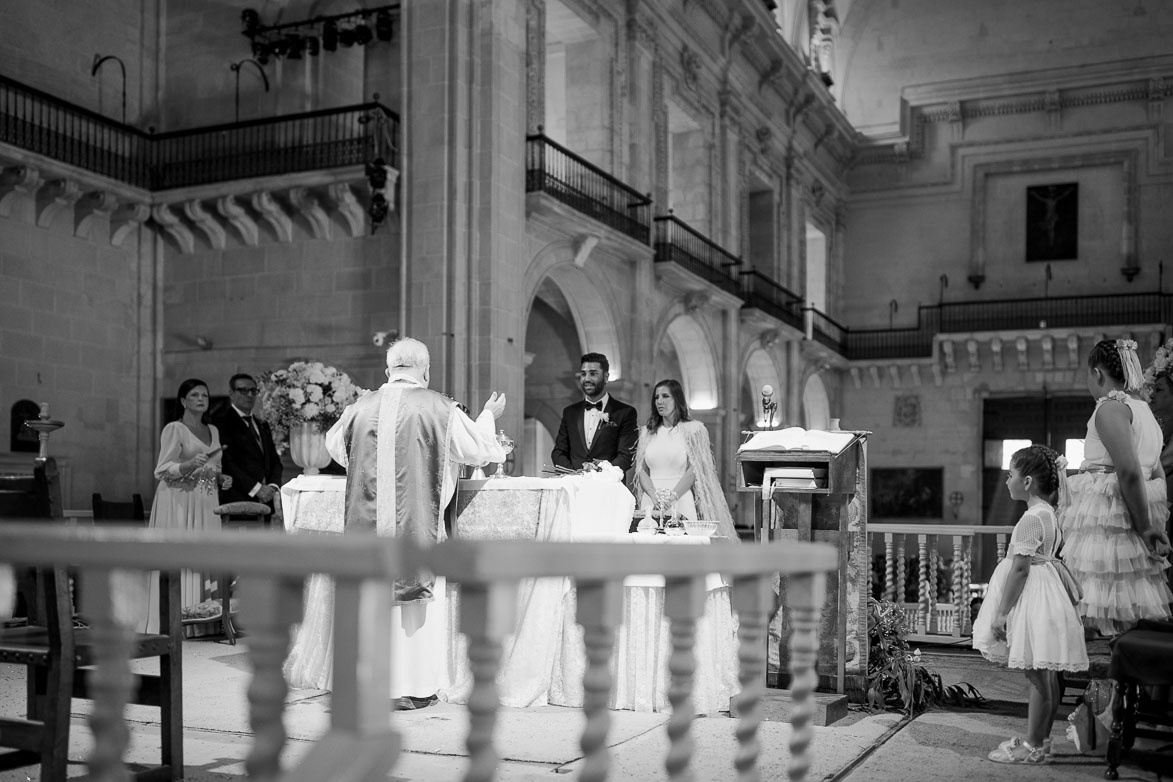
[553, 169]
[678, 243]
[330, 138]
[360, 742]
[934, 565]
[825, 330]
[760, 292]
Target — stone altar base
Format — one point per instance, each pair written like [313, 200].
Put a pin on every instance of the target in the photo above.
[777, 705]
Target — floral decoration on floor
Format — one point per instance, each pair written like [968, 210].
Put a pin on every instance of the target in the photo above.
[896, 678]
[306, 392]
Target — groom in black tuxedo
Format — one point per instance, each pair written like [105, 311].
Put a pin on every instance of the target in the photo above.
[250, 456]
[598, 428]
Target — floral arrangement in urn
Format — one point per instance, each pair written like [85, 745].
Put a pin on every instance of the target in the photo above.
[307, 395]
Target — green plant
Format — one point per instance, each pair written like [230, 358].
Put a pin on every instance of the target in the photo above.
[896, 678]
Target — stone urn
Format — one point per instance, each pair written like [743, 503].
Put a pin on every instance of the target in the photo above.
[307, 448]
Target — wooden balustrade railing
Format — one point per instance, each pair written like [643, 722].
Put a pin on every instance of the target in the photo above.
[360, 744]
[901, 545]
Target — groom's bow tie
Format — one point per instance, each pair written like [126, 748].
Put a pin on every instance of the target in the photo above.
[594, 405]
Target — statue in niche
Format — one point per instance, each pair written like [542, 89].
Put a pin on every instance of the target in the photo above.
[21, 439]
[1052, 222]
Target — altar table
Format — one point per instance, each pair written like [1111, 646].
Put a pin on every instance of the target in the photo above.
[543, 661]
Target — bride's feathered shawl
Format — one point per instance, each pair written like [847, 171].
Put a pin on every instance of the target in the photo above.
[706, 488]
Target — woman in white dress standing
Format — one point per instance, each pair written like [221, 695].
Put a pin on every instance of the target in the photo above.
[674, 462]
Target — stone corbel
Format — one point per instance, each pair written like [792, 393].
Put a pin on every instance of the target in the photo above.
[1048, 343]
[351, 211]
[274, 216]
[173, 227]
[1020, 345]
[695, 300]
[938, 376]
[211, 229]
[1073, 350]
[773, 71]
[57, 196]
[583, 244]
[894, 375]
[914, 371]
[737, 28]
[17, 182]
[310, 206]
[231, 210]
[126, 219]
[1156, 99]
[96, 206]
[956, 118]
[874, 373]
[1053, 106]
[975, 362]
[856, 378]
[947, 354]
[996, 353]
[768, 338]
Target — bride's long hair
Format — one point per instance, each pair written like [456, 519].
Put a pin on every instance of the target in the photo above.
[655, 420]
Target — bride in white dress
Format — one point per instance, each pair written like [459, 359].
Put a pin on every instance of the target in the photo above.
[674, 460]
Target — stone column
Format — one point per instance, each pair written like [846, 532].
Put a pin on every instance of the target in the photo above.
[464, 194]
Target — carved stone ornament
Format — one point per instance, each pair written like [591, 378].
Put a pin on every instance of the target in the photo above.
[690, 64]
[906, 410]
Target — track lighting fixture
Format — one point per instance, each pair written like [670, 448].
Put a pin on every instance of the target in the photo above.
[321, 33]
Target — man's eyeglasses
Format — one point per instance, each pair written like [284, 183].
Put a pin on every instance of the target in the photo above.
[246, 391]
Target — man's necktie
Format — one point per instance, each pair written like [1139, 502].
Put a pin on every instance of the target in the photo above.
[594, 405]
[252, 427]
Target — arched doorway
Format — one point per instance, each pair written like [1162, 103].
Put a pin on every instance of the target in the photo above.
[816, 408]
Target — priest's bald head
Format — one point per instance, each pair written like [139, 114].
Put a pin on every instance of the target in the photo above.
[409, 357]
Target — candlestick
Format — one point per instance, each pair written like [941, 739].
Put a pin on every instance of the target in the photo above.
[44, 426]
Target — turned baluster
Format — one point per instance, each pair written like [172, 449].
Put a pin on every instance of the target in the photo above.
[889, 568]
[1000, 539]
[934, 581]
[684, 602]
[268, 607]
[967, 585]
[960, 596]
[922, 622]
[487, 614]
[112, 681]
[901, 571]
[599, 611]
[804, 600]
[753, 600]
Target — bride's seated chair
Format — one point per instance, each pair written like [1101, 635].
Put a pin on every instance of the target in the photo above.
[1142, 662]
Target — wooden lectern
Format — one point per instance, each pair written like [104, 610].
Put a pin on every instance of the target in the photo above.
[830, 506]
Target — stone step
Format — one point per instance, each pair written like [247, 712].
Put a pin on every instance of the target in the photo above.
[777, 705]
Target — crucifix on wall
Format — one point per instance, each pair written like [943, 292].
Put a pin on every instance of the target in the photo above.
[1052, 222]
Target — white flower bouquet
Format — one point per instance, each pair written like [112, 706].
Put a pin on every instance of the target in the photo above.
[1162, 365]
[306, 392]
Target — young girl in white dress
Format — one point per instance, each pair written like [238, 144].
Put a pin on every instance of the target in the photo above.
[1028, 617]
[1115, 523]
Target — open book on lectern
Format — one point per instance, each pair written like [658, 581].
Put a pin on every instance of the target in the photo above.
[795, 438]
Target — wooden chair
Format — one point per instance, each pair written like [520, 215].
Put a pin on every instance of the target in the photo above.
[58, 659]
[237, 515]
[105, 510]
[1142, 667]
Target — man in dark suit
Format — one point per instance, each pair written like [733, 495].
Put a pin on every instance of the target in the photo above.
[599, 428]
[250, 456]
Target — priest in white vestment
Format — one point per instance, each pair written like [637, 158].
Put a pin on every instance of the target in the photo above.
[402, 446]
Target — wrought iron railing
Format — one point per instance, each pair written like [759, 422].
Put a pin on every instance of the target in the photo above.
[553, 169]
[760, 292]
[678, 243]
[330, 138]
[825, 330]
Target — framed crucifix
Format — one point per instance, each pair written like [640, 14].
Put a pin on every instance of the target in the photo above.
[1052, 222]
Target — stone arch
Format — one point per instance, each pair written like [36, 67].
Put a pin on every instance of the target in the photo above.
[759, 371]
[589, 309]
[698, 362]
[816, 407]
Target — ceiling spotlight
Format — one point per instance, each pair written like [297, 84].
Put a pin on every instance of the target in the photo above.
[330, 36]
[383, 25]
[251, 20]
[294, 45]
[362, 35]
[346, 36]
[311, 46]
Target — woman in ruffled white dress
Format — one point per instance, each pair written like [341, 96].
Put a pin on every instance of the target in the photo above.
[674, 461]
[189, 473]
[1115, 525]
[1028, 620]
